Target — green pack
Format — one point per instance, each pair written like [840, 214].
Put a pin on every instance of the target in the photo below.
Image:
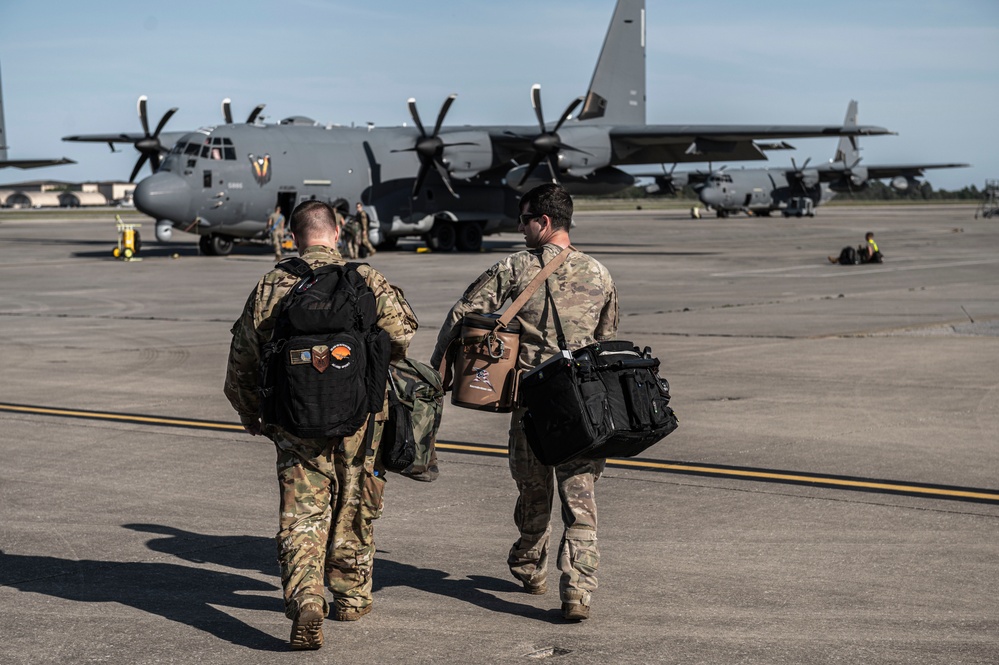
[416, 403]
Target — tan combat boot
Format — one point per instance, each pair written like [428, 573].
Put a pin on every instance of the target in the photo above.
[307, 628]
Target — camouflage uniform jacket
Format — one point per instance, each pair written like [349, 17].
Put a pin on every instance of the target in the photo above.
[255, 325]
[583, 291]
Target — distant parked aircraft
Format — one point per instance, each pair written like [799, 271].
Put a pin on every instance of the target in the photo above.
[797, 190]
[21, 163]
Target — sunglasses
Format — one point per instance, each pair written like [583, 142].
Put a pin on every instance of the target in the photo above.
[526, 218]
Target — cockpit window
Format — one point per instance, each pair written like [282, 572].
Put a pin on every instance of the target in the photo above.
[219, 147]
[192, 149]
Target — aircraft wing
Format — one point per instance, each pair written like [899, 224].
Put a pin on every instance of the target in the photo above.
[33, 163]
[892, 170]
[700, 143]
[167, 139]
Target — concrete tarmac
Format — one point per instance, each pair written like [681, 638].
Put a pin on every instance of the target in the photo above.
[151, 541]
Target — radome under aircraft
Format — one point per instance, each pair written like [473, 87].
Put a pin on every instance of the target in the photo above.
[450, 185]
[21, 163]
[798, 189]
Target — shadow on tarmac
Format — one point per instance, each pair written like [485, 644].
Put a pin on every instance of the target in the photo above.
[189, 595]
[260, 555]
[179, 593]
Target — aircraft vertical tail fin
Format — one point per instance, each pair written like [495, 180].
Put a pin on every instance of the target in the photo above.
[3, 128]
[848, 150]
[617, 90]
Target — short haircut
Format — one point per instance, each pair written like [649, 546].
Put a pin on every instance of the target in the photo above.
[313, 218]
[870, 234]
[552, 200]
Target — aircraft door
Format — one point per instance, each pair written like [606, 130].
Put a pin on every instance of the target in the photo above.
[287, 202]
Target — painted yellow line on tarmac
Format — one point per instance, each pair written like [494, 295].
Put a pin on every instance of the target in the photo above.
[97, 415]
[795, 478]
[763, 475]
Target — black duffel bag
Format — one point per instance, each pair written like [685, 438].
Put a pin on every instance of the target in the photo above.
[604, 400]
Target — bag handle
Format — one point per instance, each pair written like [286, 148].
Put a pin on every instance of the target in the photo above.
[535, 284]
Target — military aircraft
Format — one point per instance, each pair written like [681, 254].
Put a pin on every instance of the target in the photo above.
[21, 163]
[450, 185]
[798, 189]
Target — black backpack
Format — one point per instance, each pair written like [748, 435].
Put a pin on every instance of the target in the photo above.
[848, 256]
[325, 367]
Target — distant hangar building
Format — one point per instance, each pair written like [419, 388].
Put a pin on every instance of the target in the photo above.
[57, 194]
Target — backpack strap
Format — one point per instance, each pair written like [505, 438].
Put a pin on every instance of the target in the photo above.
[296, 265]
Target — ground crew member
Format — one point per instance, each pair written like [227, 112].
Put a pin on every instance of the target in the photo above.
[331, 490]
[362, 219]
[586, 299]
[275, 226]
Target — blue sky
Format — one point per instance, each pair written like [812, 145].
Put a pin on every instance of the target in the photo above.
[926, 69]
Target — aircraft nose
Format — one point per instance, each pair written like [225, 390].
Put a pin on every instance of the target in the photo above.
[710, 196]
[163, 195]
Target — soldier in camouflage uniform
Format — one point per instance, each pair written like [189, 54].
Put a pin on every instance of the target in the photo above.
[331, 489]
[586, 299]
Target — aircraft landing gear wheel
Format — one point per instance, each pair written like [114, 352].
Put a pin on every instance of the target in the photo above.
[469, 237]
[164, 230]
[205, 245]
[442, 236]
[215, 245]
[221, 244]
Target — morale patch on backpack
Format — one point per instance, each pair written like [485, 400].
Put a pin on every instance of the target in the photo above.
[340, 356]
[300, 356]
[321, 357]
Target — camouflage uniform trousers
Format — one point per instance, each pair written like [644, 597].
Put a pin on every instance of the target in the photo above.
[277, 237]
[578, 554]
[330, 495]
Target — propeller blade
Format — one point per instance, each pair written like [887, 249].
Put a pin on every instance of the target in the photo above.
[421, 175]
[143, 117]
[444, 107]
[227, 110]
[154, 160]
[552, 168]
[138, 165]
[530, 168]
[568, 111]
[444, 176]
[411, 103]
[254, 114]
[536, 103]
[163, 121]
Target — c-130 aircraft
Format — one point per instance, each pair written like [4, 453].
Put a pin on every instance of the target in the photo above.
[449, 185]
[797, 190]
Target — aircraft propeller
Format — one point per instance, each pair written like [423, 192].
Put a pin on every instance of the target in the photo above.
[149, 145]
[803, 178]
[429, 149]
[227, 112]
[548, 144]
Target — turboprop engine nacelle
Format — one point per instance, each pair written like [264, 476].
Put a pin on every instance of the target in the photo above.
[902, 183]
[467, 161]
[592, 150]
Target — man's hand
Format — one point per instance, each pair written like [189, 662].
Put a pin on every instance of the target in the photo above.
[251, 424]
